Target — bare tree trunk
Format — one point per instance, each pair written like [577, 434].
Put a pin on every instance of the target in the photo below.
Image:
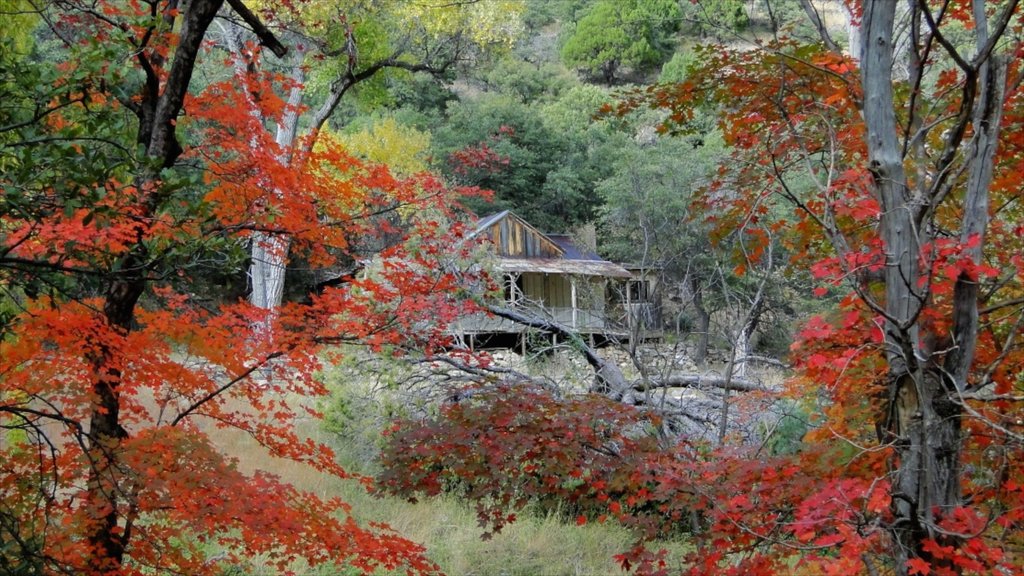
[269, 251]
[723, 413]
[923, 415]
[909, 392]
[737, 365]
[853, 32]
[700, 351]
[269, 255]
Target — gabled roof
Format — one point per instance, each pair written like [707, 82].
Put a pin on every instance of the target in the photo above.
[544, 253]
[489, 221]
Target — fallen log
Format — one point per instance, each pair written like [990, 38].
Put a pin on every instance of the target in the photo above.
[700, 381]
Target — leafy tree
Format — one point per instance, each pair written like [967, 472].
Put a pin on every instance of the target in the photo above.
[385, 141]
[337, 49]
[646, 218]
[122, 185]
[635, 34]
[419, 100]
[526, 81]
[907, 148]
[719, 18]
[544, 165]
[675, 69]
[893, 178]
[506, 448]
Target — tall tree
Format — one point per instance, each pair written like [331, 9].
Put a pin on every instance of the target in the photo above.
[614, 34]
[341, 47]
[908, 146]
[122, 186]
[543, 165]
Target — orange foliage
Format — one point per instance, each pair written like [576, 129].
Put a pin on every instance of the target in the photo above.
[154, 494]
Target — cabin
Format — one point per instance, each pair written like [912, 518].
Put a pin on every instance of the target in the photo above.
[552, 277]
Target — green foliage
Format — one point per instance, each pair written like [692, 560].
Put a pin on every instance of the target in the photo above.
[647, 213]
[419, 100]
[18, 20]
[363, 401]
[786, 437]
[634, 34]
[719, 18]
[526, 81]
[18, 558]
[675, 70]
[786, 17]
[542, 12]
[550, 161]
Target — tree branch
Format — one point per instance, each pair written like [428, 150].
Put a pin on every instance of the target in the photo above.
[266, 37]
[819, 25]
[223, 388]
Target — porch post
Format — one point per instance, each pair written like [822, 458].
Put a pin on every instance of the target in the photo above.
[572, 287]
[629, 304]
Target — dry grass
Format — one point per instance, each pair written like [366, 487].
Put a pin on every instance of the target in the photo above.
[535, 545]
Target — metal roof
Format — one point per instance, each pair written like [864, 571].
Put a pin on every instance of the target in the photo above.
[564, 266]
[572, 250]
[488, 222]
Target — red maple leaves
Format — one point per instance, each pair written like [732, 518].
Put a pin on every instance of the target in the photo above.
[116, 373]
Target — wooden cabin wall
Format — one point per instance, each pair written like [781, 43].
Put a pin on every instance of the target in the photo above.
[555, 291]
[592, 294]
[514, 239]
[535, 287]
[559, 291]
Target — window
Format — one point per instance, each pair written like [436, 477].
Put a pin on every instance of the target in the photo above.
[638, 290]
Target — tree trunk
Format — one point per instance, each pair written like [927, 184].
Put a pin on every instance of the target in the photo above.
[923, 420]
[853, 32]
[267, 269]
[158, 110]
[911, 415]
[700, 351]
[269, 252]
[926, 472]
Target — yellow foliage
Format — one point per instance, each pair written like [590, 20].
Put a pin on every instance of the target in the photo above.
[488, 23]
[402, 148]
[18, 18]
[495, 22]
